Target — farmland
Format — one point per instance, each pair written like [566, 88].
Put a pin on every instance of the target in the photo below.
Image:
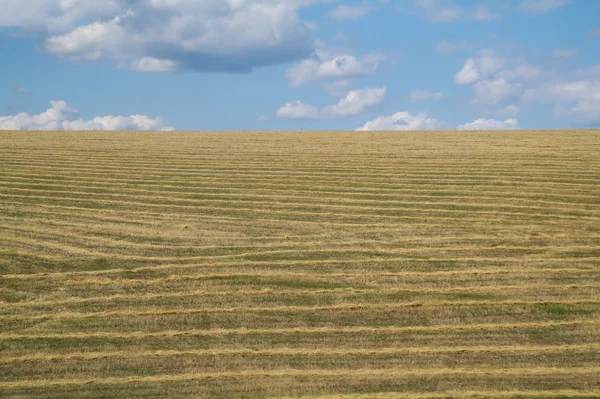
[316, 265]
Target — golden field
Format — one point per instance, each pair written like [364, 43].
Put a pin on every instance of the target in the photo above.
[315, 265]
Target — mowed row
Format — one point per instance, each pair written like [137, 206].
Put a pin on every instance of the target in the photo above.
[321, 265]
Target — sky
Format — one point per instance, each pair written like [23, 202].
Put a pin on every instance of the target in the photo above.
[299, 64]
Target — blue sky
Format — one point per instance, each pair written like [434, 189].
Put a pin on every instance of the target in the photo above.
[299, 64]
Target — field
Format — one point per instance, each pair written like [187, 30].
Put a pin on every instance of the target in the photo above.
[320, 265]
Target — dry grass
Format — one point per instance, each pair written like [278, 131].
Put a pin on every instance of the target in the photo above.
[316, 265]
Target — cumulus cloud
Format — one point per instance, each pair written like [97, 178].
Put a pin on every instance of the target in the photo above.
[501, 85]
[87, 42]
[495, 80]
[298, 110]
[492, 92]
[61, 117]
[55, 15]
[468, 74]
[166, 35]
[521, 70]
[332, 65]
[537, 7]
[480, 67]
[579, 98]
[490, 124]
[345, 12]
[149, 64]
[403, 121]
[422, 95]
[420, 121]
[353, 103]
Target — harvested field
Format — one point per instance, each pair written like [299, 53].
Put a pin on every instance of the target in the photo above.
[346, 265]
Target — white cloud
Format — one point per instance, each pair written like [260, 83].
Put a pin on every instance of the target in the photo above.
[565, 52]
[445, 47]
[302, 73]
[578, 98]
[501, 86]
[537, 7]
[480, 67]
[208, 35]
[522, 71]
[468, 74]
[345, 12]
[492, 92]
[490, 124]
[20, 90]
[498, 82]
[327, 65]
[87, 42]
[407, 121]
[149, 64]
[356, 102]
[61, 117]
[298, 110]
[353, 103]
[345, 66]
[422, 95]
[55, 15]
[403, 121]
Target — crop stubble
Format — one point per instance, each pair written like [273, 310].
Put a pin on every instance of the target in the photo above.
[322, 265]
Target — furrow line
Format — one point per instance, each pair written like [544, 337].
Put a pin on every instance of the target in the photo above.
[96, 183]
[142, 269]
[286, 162]
[278, 180]
[233, 219]
[149, 200]
[278, 211]
[245, 173]
[304, 330]
[313, 292]
[41, 357]
[294, 309]
[94, 235]
[122, 188]
[351, 189]
[178, 160]
[315, 373]
[378, 251]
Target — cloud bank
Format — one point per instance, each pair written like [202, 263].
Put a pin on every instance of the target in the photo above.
[61, 117]
[353, 103]
[403, 121]
[168, 35]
